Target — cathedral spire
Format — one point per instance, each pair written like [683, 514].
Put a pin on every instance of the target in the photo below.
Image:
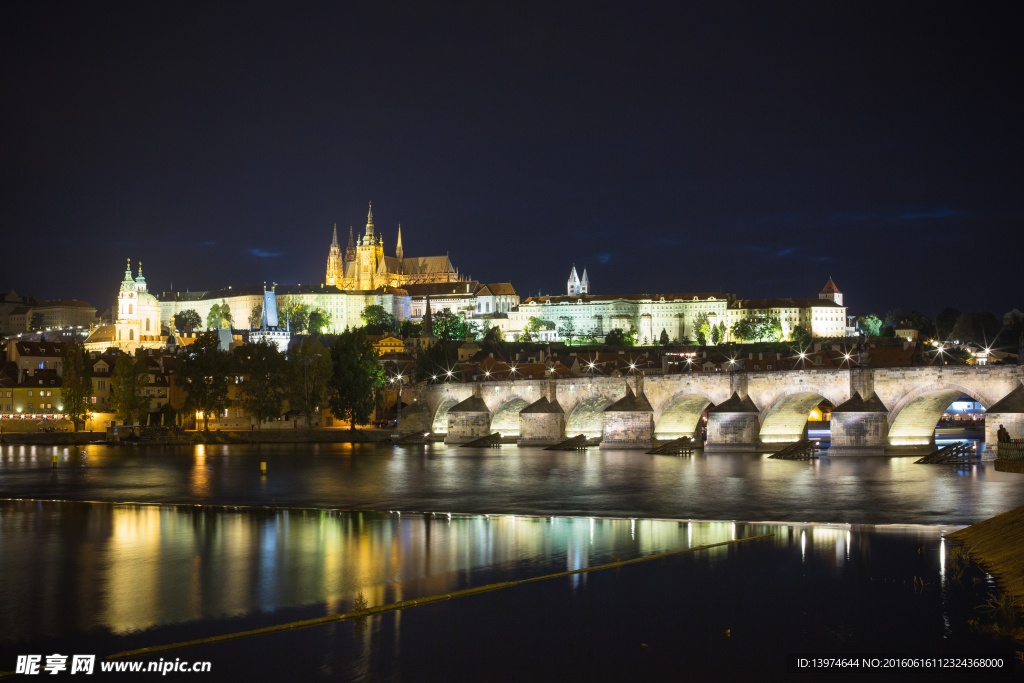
[334, 241]
[369, 221]
[350, 252]
[398, 247]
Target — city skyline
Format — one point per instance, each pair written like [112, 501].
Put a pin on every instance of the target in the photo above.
[671, 150]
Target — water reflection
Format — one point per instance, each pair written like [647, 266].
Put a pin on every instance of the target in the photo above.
[71, 567]
[514, 480]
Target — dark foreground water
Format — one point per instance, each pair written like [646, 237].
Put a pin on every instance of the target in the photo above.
[871, 490]
[87, 578]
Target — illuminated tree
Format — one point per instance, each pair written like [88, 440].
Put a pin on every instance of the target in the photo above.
[263, 370]
[309, 376]
[127, 389]
[357, 377]
[202, 375]
[189, 320]
[219, 313]
[76, 381]
[319, 322]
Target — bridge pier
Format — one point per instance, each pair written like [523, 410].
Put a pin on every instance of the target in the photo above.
[733, 425]
[629, 422]
[542, 423]
[468, 420]
[415, 418]
[860, 427]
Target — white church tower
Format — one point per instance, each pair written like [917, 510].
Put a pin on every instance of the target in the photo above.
[576, 285]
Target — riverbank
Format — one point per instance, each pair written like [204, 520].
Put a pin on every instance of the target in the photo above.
[367, 435]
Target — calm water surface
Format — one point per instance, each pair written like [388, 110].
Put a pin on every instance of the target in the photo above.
[95, 578]
[518, 480]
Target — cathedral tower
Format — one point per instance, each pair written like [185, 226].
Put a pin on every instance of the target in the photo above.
[369, 256]
[350, 251]
[335, 270]
[398, 247]
[574, 282]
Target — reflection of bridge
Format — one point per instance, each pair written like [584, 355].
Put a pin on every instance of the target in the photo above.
[895, 409]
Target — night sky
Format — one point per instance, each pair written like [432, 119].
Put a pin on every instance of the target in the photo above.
[756, 148]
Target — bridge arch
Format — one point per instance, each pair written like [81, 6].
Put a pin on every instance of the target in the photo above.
[784, 418]
[506, 417]
[587, 417]
[440, 423]
[681, 415]
[912, 420]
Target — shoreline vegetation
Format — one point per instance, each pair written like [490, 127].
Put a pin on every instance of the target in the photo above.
[996, 545]
[189, 438]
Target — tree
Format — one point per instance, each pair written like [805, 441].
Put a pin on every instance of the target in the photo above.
[127, 389]
[203, 375]
[319, 322]
[801, 336]
[188, 320]
[433, 362]
[296, 318]
[663, 340]
[568, 329]
[36, 321]
[493, 335]
[256, 317]
[703, 326]
[991, 328]
[411, 329]
[869, 325]
[357, 377]
[1015, 329]
[619, 337]
[918, 321]
[218, 314]
[308, 375]
[945, 321]
[378, 321]
[450, 327]
[263, 370]
[76, 381]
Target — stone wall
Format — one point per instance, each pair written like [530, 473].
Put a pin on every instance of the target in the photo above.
[463, 427]
[859, 433]
[732, 432]
[541, 429]
[627, 430]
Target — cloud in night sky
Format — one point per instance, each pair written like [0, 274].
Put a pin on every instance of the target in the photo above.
[263, 253]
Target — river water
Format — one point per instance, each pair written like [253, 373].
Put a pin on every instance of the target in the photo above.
[208, 546]
[436, 478]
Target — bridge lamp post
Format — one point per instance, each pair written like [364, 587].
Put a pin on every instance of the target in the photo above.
[803, 360]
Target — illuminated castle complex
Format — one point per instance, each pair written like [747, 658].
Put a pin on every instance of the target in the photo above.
[363, 265]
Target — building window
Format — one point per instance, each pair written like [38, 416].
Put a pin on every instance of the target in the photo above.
[129, 309]
[131, 335]
[147, 324]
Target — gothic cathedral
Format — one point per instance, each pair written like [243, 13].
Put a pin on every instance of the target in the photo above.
[364, 267]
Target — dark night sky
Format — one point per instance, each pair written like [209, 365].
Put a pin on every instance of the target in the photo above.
[733, 146]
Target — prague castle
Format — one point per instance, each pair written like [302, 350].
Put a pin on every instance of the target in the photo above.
[364, 267]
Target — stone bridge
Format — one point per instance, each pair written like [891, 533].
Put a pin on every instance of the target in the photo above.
[890, 410]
